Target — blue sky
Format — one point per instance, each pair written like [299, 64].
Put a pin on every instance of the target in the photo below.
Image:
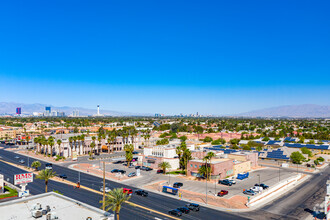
[214, 57]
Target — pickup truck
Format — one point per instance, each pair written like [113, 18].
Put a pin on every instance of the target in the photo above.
[225, 182]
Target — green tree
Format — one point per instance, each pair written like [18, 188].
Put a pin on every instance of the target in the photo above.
[36, 164]
[129, 148]
[183, 138]
[114, 200]
[208, 139]
[265, 139]
[164, 165]
[59, 142]
[234, 141]
[186, 156]
[305, 150]
[46, 175]
[297, 157]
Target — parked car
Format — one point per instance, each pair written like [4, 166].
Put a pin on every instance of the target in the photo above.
[175, 212]
[63, 176]
[222, 193]
[137, 167]
[49, 166]
[125, 164]
[148, 169]
[193, 206]
[184, 210]
[131, 166]
[128, 191]
[97, 154]
[135, 152]
[122, 171]
[257, 189]
[160, 171]
[106, 189]
[21, 161]
[117, 162]
[132, 174]
[232, 181]
[225, 182]
[114, 171]
[141, 192]
[143, 168]
[177, 185]
[264, 186]
[249, 192]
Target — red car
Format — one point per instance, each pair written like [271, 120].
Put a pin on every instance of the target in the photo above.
[128, 191]
[222, 193]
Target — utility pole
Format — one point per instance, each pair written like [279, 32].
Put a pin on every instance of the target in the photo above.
[103, 186]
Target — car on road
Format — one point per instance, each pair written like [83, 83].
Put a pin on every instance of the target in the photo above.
[132, 174]
[225, 182]
[184, 210]
[175, 212]
[222, 193]
[177, 185]
[118, 162]
[249, 192]
[141, 192]
[122, 171]
[138, 167]
[106, 189]
[16, 157]
[128, 191]
[193, 206]
[160, 171]
[49, 166]
[114, 171]
[264, 186]
[135, 152]
[22, 161]
[63, 176]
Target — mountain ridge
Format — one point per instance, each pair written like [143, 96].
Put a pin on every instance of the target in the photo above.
[293, 111]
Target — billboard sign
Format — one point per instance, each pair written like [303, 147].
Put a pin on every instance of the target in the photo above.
[23, 178]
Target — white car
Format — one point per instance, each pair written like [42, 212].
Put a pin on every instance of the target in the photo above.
[257, 189]
[106, 189]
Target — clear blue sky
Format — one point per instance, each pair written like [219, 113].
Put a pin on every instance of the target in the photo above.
[214, 57]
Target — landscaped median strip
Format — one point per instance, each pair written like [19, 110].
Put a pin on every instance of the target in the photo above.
[92, 190]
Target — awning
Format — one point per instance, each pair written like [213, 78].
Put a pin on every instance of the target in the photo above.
[104, 147]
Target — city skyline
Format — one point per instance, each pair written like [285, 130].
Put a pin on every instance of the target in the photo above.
[219, 58]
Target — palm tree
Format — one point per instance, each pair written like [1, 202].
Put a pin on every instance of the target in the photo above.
[204, 170]
[46, 175]
[114, 200]
[92, 149]
[36, 164]
[59, 142]
[71, 141]
[164, 165]
[129, 148]
[36, 141]
[51, 143]
[207, 160]
[82, 140]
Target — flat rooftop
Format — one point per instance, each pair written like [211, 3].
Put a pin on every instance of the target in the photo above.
[63, 207]
[213, 161]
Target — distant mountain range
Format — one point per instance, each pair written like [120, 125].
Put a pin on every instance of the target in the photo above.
[292, 111]
[10, 108]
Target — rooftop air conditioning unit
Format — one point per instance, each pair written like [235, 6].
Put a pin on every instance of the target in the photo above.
[36, 214]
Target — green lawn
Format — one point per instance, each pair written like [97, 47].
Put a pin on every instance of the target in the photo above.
[11, 193]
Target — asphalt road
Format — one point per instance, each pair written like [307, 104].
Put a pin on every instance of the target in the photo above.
[153, 201]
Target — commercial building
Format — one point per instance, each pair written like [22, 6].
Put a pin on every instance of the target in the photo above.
[50, 205]
[18, 111]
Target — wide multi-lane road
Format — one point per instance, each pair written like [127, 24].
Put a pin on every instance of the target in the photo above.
[154, 202]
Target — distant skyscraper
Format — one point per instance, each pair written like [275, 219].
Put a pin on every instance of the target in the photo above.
[98, 109]
[18, 110]
[48, 109]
